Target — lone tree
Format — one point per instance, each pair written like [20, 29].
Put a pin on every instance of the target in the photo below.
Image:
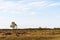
[13, 25]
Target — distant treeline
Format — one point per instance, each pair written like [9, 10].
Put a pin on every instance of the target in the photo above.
[43, 28]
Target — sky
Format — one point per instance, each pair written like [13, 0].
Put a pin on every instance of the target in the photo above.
[30, 13]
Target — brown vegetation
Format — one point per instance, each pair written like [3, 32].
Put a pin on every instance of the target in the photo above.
[30, 34]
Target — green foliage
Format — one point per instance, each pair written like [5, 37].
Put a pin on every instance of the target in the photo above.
[13, 25]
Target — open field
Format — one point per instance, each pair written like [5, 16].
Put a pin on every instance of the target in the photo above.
[30, 34]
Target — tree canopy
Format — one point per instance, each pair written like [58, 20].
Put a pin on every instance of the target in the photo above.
[13, 25]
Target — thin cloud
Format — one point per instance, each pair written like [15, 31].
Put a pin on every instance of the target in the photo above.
[54, 4]
[38, 4]
[21, 7]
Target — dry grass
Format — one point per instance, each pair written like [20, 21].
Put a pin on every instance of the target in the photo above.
[30, 34]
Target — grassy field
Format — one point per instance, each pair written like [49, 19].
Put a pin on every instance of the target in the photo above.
[30, 34]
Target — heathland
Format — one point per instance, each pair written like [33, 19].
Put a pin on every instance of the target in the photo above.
[30, 34]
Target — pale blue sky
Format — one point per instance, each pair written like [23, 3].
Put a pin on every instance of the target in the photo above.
[30, 13]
